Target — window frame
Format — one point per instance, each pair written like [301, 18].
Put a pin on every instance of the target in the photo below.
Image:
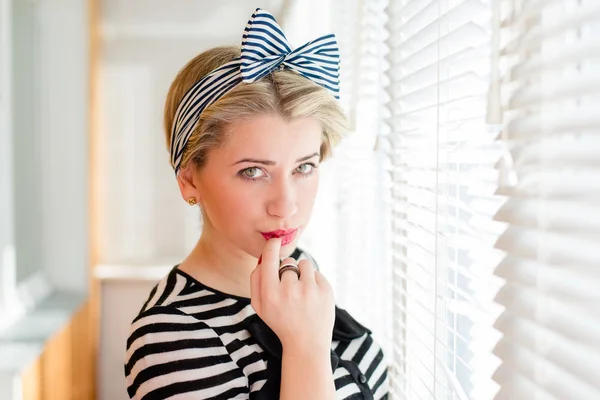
[64, 124]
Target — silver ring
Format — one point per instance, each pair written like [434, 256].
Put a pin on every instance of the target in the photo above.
[289, 267]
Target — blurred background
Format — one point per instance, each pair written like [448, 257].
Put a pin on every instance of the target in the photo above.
[460, 220]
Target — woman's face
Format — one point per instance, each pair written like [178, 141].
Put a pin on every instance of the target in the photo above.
[262, 182]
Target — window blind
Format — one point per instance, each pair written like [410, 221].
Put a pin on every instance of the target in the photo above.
[362, 240]
[442, 154]
[550, 93]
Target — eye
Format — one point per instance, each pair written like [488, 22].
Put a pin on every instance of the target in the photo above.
[306, 168]
[251, 173]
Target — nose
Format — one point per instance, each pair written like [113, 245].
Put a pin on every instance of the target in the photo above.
[282, 200]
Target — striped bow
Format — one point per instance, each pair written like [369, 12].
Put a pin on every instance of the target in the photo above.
[264, 49]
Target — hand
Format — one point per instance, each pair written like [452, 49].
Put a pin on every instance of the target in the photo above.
[301, 312]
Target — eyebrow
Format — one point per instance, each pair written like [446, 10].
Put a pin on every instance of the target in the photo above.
[267, 162]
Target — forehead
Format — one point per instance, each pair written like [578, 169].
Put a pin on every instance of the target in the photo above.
[273, 137]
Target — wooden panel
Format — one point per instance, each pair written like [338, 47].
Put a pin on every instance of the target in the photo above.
[89, 357]
[83, 354]
[32, 381]
[66, 369]
[56, 366]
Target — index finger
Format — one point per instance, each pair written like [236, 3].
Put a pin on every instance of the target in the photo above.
[270, 263]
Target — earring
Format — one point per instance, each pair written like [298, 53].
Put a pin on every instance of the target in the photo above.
[191, 201]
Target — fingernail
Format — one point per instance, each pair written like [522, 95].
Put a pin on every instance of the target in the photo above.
[260, 259]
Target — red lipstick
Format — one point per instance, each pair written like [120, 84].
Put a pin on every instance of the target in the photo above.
[287, 236]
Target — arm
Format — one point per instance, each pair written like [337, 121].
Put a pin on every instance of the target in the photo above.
[306, 375]
[300, 310]
[315, 369]
[170, 353]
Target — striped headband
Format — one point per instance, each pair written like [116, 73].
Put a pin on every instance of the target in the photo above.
[264, 48]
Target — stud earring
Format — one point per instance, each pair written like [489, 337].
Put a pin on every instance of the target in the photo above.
[191, 201]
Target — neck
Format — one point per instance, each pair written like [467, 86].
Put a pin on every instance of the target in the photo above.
[220, 265]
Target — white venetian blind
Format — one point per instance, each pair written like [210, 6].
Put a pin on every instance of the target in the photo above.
[550, 56]
[442, 153]
[362, 259]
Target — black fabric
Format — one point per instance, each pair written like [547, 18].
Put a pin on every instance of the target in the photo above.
[345, 328]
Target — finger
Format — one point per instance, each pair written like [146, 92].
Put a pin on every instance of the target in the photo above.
[307, 271]
[325, 289]
[255, 293]
[289, 277]
[269, 266]
[322, 282]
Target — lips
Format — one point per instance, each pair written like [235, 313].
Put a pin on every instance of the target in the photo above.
[278, 233]
[287, 236]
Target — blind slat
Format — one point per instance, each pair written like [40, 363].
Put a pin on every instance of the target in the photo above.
[522, 72]
[552, 90]
[555, 248]
[569, 319]
[582, 217]
[548, 378]
[580, 119]
[564, 353]
[554, 182]
[533, 38]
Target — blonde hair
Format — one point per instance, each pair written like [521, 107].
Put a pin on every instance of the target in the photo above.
[283, 92]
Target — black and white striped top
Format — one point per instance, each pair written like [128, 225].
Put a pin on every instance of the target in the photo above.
[193, 342]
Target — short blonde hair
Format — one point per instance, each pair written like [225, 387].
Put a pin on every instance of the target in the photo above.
[283, 92]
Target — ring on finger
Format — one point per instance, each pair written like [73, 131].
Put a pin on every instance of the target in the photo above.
[289, 267]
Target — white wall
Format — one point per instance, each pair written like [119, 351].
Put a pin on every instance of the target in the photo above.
[121, 301]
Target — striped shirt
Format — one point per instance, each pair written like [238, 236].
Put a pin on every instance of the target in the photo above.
[193, 342]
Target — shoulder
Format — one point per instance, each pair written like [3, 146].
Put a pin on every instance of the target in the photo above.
[364, 365]
[170, 353]
[168, 288]
[161, 330]
[164, 322]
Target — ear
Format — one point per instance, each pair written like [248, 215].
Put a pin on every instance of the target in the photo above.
[188, 182]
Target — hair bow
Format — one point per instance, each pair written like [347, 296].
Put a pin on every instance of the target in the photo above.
[264, 49]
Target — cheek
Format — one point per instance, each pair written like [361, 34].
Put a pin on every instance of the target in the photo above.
[236, 205]
[231, 201]
[309, 192]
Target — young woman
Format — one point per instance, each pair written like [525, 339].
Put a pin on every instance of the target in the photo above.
[247, 128]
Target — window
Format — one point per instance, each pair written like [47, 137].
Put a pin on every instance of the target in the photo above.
[350, 214]
[443, 155]
[550, 81]
[489, 125]
[6, 185]
[362, 261]
[43, 152]
[21, 241]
